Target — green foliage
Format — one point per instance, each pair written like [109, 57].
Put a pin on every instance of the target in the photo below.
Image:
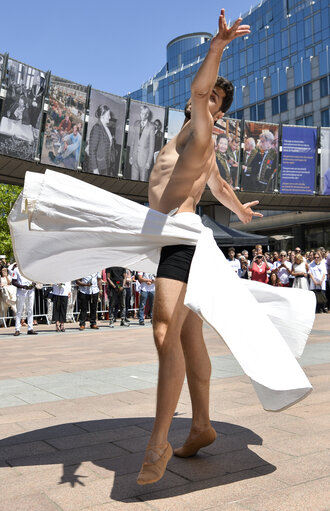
[8, 196]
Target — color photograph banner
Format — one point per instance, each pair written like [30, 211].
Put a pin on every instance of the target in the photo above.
[145, 139]
[175, 122]
[259, 164]
[105, 134]
[64, 124]
[325, 161]
[227, 137]
[21, 111]
[298, 160]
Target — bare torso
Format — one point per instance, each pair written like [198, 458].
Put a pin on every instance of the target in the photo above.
[179, 175]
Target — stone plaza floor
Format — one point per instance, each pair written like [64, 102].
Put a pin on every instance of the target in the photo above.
[76, 410]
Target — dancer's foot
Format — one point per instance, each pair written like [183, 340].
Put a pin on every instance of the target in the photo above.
[195, 441]
[155, 463]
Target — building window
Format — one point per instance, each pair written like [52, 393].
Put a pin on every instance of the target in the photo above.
[253, 113]
[261, 111]
[325, 118]
[298, 96]
[308, 93]
[324, 86]
[283, 102]
[240, 114]
[305, 121]
[275, 106]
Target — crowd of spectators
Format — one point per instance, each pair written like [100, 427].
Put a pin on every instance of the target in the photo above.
[308, 270]
[127, 294]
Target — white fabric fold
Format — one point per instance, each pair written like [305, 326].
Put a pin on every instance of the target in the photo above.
[63, 228]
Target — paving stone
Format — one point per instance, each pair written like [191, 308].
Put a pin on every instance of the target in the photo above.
[27, 449]
[306, 468]
[129, 433]
[37, 502]
[311, 496]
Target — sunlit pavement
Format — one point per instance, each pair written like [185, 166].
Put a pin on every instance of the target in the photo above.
[76, 410]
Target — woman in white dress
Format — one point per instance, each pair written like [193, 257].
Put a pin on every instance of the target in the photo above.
[300, 271]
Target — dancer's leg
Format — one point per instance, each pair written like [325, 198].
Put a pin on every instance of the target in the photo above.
[168, 317]
[198, 370]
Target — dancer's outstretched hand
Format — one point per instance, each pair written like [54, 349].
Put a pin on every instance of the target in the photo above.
[247, 212]
[226, 34]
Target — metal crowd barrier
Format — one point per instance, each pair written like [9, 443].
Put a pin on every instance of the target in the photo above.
[43, 306]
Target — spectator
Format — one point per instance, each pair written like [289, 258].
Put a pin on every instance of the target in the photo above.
[3, 262]
[8, 293]
[61, 293]
[128, 293]
[245, 253]
[88, 294]
[328, 280]
[317, 282]
[25, 293]
[311, 257]
[244, 272]
[116, 278]
[234, 263]
[274, 280]
[259, 269]
[147, 291]
[275, 257]
[300, 271]
[283, 269]
[292, 259]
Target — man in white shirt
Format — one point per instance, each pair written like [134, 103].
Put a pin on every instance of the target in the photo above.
[88, 293]
[283, 269]
[234, 263]
[25, 293]
[147, 290]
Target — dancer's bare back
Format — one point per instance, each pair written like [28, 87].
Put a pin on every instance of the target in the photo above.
[180, 173]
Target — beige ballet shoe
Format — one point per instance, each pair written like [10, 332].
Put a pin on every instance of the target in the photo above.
[192, 445]
[152, 472]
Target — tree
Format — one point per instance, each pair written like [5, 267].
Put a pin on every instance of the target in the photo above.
[8, 196]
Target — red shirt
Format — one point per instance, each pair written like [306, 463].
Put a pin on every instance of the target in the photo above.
[259, 273]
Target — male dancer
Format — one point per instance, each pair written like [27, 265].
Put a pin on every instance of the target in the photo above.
[177, 181]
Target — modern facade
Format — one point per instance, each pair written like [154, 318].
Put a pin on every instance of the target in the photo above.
[280, 71]
[281, 75]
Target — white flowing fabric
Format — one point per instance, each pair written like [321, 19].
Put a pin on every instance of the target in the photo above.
[63, 228]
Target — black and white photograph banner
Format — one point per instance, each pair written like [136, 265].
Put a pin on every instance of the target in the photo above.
[325, 161]
[105, 134]
[64, 124]
[145, 139]
[259, 165]
[21, 110]
[1, 65]
[227, 136]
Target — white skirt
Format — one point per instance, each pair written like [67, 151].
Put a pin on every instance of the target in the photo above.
[63, 228]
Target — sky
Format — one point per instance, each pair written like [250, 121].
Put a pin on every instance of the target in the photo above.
[114, 46]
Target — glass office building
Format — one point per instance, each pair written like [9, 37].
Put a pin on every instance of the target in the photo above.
[280, 71]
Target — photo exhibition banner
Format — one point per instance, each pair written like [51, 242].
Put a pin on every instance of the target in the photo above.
[21, 110]
[259, 165]
[145, 139]
[298, 160]
[325, 161]
[64, 124]
[226, 136]
[105, 134]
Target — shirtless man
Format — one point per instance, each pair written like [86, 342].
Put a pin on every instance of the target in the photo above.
[178, 179]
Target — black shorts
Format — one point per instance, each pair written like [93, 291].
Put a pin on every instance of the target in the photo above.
[175, 262]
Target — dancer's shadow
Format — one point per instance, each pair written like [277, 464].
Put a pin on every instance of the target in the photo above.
[118, 445]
